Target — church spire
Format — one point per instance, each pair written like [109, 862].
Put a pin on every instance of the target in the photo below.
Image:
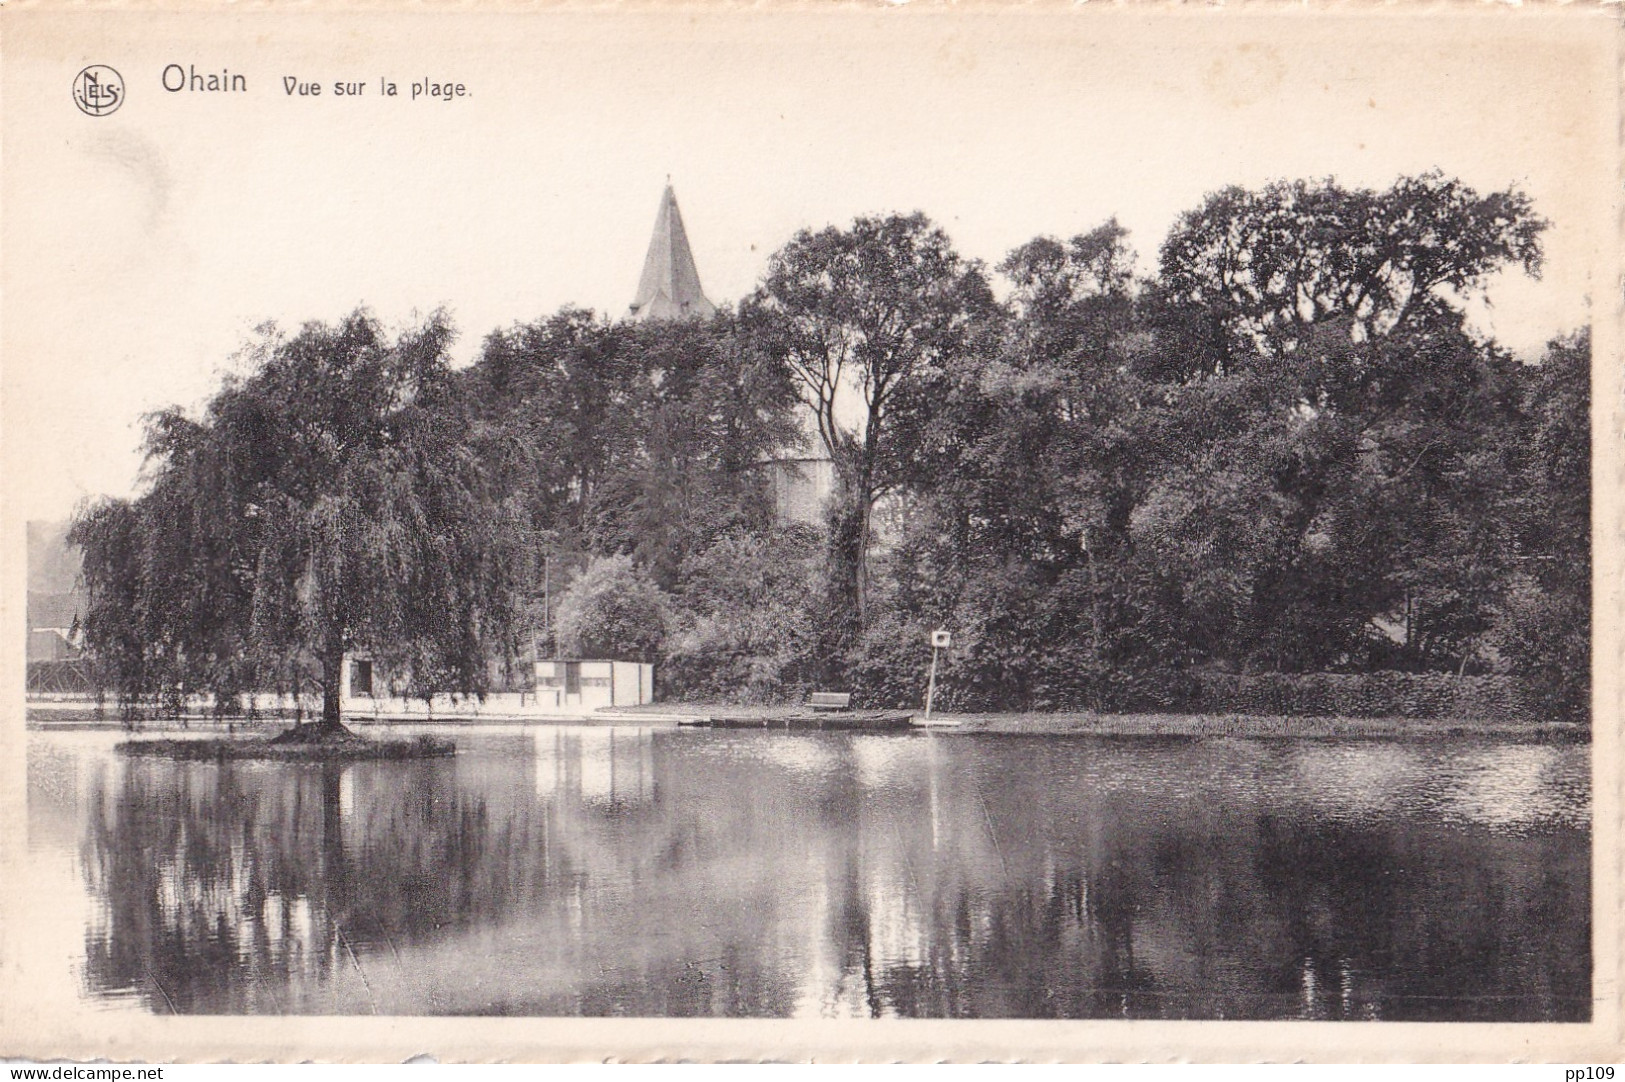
[670, 286]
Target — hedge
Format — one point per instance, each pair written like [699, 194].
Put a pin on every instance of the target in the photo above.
[1126, 690]
[1378, 694]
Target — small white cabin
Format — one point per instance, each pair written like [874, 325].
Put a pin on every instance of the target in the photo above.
[561, 688]
[567, 685]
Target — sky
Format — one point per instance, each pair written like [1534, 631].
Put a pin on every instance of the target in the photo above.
[141, 248]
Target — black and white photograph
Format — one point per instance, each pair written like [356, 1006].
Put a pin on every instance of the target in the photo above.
[710, 531]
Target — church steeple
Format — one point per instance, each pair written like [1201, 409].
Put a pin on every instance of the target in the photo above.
[670, 286]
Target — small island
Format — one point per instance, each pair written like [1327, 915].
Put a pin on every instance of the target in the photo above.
[292, 746]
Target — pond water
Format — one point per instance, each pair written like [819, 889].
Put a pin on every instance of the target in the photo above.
[563, 870]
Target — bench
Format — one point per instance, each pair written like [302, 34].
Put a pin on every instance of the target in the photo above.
[829, 700]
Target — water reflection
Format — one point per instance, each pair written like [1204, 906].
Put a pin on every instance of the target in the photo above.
[605, 871]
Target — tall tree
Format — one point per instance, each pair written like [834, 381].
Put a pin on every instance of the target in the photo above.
[861, 317]
[327, 501]
[1332, 320]
[632, 438]
[1025, 477]
[1073, 300]
[1250, 276]
[1543, 626]
[560, 403]
[710, 410]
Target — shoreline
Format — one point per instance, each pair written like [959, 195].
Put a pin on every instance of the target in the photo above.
[1273, 727]
[1085, 723]
[1055, 723]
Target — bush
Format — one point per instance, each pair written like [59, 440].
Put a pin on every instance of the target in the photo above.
[743, 628]
[1546, 636]
[612, 610]
[889, 665]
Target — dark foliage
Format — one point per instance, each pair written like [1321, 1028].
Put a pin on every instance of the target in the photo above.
[326, 501]
[1281, 474]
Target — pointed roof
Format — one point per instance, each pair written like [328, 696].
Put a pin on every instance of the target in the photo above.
[670, 286]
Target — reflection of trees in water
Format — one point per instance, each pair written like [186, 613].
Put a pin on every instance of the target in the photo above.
[234, 887]
[1419, 922]
[585, 872]
[223, 883]
[1126, 905]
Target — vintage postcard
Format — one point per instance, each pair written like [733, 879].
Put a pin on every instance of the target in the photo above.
[883, 532]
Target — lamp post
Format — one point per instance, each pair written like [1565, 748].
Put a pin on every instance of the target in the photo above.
[940, 640]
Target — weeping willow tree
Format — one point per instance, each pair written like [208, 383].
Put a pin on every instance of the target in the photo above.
[329, 500]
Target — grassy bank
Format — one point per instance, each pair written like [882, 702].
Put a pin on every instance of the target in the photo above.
[1085, 723]
[1264, 726]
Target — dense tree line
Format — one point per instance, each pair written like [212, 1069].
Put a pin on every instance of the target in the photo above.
[1284, 450]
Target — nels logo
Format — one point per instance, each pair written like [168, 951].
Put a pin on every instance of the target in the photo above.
[98, 90]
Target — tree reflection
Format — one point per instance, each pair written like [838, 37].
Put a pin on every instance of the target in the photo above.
[1251, 906]
[598, 872]
[223, 883]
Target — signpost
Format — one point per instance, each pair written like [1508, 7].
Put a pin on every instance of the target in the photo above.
[940, 640]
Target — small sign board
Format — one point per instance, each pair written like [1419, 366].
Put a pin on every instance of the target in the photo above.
[941, 639]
